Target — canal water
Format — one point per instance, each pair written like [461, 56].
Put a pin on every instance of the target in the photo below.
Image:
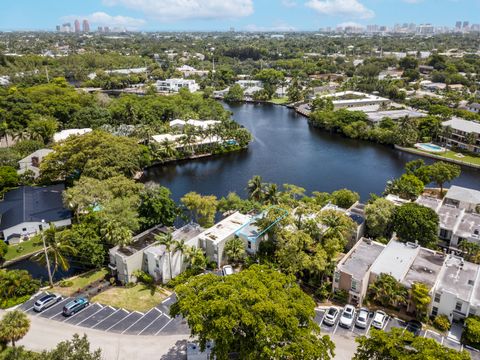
[287, 150]
[39, 271]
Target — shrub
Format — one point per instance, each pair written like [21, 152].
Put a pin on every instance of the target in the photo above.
[341, 296]
[143, 277]
[66, 283]
[471, 332]
[441, 322]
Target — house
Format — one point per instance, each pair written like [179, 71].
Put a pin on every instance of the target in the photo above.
[425, 69]
[462, 198]
[245, 84]
[202, 124]
[126, 260]
[188, 71]
[65, 134]
[32, 162]
[355, 99]
[174, 85]
[474, 107]
[26, 211]
[213, 240]
[377, 116]
[352, 273]
[463, 134]
[160, 262]
[434, 87]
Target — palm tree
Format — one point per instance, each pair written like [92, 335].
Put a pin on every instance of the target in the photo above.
[58, 250]
[14, 326]
[271, 194]
[338, 225]
[196, 258]
[168, 148]
[116, 234]
[181, 247]
[235, 249]
[168, 242]
[387, 291]
[255, 188]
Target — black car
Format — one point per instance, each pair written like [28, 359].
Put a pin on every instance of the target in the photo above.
[415, 327]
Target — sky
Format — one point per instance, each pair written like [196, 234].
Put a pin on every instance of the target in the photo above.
[221, 15]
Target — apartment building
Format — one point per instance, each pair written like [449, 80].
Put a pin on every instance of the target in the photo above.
[463, 134]
[174, 85]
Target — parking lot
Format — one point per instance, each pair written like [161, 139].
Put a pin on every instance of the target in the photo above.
[391, 323]
[107, 318]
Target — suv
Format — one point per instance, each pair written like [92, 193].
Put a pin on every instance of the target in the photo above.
[227, 270]
[331, 316]
[46, 301]
[362, 318]
[415, 327]
[348, 315]
[76, 305]
[379, 320]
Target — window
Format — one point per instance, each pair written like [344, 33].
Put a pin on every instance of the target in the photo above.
[438, 296]
[249, 245]
[434, 311]
[444, 234]
[336, 277]
[354, 285]
[458, 306]
[25, 229]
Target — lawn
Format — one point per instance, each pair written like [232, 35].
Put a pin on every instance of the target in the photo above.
[280, 101]
[136, 298]
[452, 155]
[24, 248]
[79, 282]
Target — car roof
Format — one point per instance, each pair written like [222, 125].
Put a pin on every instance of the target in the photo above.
[46, 297]
[332, 309]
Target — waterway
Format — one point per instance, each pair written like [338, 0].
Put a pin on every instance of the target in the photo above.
[287, 150]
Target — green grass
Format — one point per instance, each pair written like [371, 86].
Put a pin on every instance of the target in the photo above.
[280, 101]
[79, 282]
[24, 248]
[136, 298]
[451, 155]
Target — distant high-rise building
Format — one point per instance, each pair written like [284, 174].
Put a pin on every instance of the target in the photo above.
[86, 26]
[465, 25]
[100, 29]
[57, 27]
[458, 25]
[77, 26]
[106, 29]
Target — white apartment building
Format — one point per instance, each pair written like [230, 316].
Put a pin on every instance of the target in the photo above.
[174, 85]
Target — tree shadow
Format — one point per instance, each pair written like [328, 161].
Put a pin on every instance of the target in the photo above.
[177, 351]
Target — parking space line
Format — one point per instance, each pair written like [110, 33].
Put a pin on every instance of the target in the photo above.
[102, 307]
[116, 310]
[336, 327]
[163, 327]
[133, 324]
[138, 312]
[150, 323]
[443, 338]
[63, 301]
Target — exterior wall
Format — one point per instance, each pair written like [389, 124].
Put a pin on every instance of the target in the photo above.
[447, 304]
[26, 229]
[129, 265]
[468, 207]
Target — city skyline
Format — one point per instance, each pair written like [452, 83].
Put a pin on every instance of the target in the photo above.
[243, 15]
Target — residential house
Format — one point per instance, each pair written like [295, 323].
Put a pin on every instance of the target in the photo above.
[245, 84]
[355, 99]
[32, 162]
[463, 134]
[27, 210]
[65, 134]
[474, 107]
[462, 198]
[174, 85]
[188, 71]
[377, 116]
[202, 124]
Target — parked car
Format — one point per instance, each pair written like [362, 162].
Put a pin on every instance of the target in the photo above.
[362, 318]
[331, 316]
[75, 306]
[46, 301]
[379, 320]
[415, 327]
[227, 270]
[348, 316]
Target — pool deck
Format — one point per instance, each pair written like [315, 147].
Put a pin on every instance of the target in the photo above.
[437, 157]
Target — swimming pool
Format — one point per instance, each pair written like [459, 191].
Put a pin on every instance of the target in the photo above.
[430, 147]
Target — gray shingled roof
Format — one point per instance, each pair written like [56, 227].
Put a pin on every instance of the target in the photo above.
[33, 204]
[463, 125]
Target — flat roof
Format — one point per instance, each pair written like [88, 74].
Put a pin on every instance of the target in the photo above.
[467, 226]
[361, 258]
[140, 241]
[396, 259]
[458, 277]
[463, 194]
[425, 268]
[394, 114]
[64, 134]
[463, 125]
[449, 216]
[430, 202]
[225, 228]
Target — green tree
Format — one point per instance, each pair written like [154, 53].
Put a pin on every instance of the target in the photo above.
[419, 295]
[413, 222]
[8, 177]
[201, 208]
[115, 234]
[260, 313]
[235, 249]
[255, 188]
[157, 207]
[78, 348]
[294, 92]
[407, 187]
[14, 285]
[234, 94]
[471, 332]
[167, 241]
[322, 103]
[387, 291]
[442, 172]
[379, 215]
[14, 326]
[344, 198]
[43, 129]
[85, 239]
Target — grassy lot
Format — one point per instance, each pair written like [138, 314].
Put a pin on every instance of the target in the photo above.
[280, 101]
[451, 155]
[79, 282]
[24, 248]
[136, 298]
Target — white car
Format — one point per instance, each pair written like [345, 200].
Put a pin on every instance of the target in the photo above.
[348, 316]
[227, 270]
[331, 316]
[46, 301]
[362, 318]
[379, 320]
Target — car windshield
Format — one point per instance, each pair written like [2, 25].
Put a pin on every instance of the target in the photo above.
[347, 315]
[45, 298]
[362, 316]
[332, 312]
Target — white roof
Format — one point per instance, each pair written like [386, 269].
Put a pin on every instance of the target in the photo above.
[364, 97]
[395, 259]
[225, 228]
[40, 153]
[463, 125]
[169, 137]
[462, 194]
[64, 134]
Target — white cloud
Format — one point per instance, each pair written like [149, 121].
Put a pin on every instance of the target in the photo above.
[104, 19]
[350, 24]
[346, 8]
[171, 10]
[289, 3]
[281, 27]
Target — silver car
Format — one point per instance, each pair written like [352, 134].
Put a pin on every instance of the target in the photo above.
[331, 316]
[362, 318]
[46, 301]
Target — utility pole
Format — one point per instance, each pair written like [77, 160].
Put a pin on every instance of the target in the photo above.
[46, 254]
[46, 73]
